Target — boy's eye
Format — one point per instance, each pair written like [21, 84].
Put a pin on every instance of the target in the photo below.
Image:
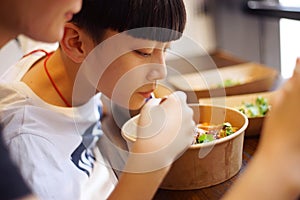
[142, 53]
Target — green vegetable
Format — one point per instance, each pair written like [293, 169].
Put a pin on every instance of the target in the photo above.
[257, 109]
[213, 132]
[228, 128]
[205, 138]
[228, 83]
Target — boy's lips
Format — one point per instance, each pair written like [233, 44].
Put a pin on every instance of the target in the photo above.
[146, 94]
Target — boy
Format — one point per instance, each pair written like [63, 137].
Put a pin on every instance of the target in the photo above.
[51, 130]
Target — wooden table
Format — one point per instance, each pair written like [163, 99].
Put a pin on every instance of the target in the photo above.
[217, 191]
[220, 59]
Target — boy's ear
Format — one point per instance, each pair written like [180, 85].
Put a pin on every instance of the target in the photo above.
[75, 43]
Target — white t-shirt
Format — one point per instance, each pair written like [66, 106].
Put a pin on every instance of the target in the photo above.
[53, 146]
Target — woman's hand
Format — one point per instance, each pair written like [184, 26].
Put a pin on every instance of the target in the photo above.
[280, 142]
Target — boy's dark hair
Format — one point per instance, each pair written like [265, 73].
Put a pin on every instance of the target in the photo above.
[169, 16]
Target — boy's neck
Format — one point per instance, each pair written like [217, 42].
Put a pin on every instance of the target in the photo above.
[39, 77]
[63, 73]
[59, 77]
[75, 88]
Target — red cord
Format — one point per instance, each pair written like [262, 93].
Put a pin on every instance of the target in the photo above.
[52, 81]
[48, 74]
[37, 50]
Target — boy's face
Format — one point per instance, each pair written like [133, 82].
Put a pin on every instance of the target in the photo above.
[130, 76]
[39, 19]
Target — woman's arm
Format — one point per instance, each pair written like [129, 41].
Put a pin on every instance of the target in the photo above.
[274, 171]
[43, 167]
[12, 184]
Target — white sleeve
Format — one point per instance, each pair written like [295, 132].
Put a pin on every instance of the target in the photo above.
[44, 169]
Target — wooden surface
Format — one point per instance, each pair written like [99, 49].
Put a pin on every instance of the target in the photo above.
[217, 191]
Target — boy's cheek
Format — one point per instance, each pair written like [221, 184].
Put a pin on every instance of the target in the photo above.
[162, 91]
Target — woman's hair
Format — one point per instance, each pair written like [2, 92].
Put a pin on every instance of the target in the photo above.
[167, 17]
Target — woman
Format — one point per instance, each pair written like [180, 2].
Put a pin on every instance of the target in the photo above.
[41, 20]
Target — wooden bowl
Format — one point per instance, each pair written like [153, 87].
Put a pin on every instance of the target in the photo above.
[248, 78]
[207, 164]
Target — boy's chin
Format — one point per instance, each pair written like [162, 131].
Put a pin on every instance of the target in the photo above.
[135, 109]
[132, 108]
[134, 112]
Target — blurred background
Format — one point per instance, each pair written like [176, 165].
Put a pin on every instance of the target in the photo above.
[265, 31]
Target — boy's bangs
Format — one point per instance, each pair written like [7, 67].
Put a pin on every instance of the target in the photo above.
[125, 15]
[155, 33]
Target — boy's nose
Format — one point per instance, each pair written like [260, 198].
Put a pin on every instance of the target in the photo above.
[159, 68]
[157, 73]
